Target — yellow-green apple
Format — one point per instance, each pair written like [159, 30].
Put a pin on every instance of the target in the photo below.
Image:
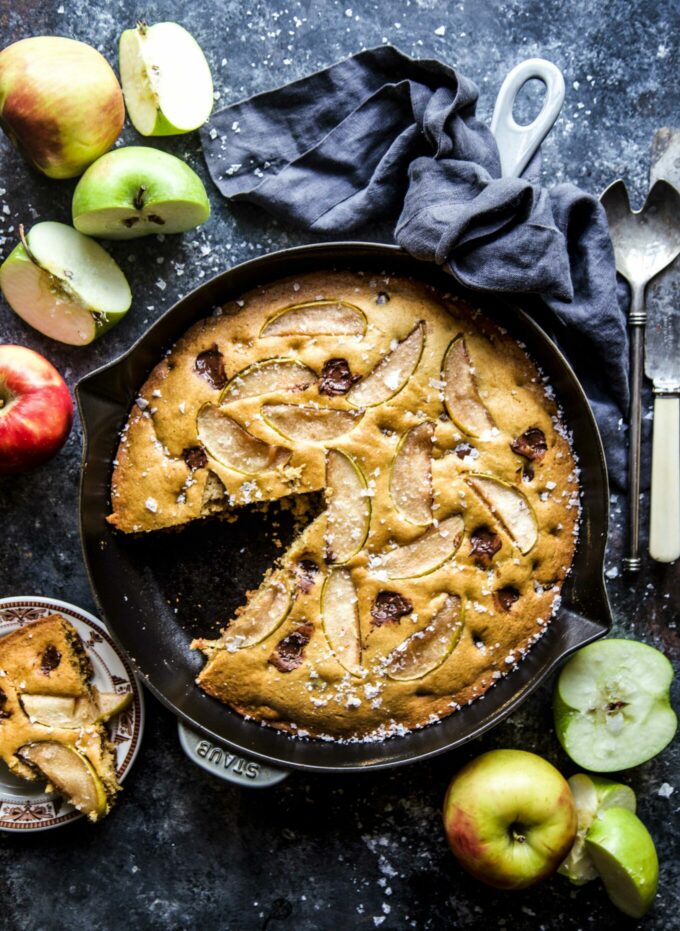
[166, 80]
[36, 410]
[612, 705]
[64, 284]
[60, 103]
[510, 818]
[138, 191]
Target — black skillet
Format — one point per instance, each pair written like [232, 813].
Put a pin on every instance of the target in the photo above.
[158, 592]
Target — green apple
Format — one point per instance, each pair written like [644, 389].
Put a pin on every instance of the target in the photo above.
[138, 191]
[625, 858]
[60, 103]
[166, 80]
[510, 818]
[592, 795]
[64, 285]
[612, 705]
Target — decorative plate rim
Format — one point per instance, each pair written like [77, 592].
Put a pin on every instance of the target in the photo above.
[123, 767]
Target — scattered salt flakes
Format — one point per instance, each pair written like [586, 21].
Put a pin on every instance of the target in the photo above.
[151, 505]
[612, 572]
[182, 406]
[156, 393]
[440, 31]
[213, 133]
[510, 659]
[665, 790]
[393, 380]
[353, 701]
[296, 286]
[348, 13]
[142, 403]
[232, 169]
[235, 127]
[161, 285]
[550, 486]
[378, 920]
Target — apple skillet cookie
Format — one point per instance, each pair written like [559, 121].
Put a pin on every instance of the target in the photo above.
[452, 496]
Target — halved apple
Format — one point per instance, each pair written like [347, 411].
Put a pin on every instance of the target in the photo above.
[348, 514]
[262, 615]
[317, 318]
[232, 445]
[411, 474]
[71, 773]
[510, 506]
[461, 397]
[64, 285]
[392, 372]
[427, 553]
[425, 650]
[340, 618]
[166, 80]
[267, 376]
[309, 424]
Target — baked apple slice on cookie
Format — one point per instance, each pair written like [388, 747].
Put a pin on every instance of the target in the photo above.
[231, 444]
[411, 474]
[263, 614]
[309, 424]
[510, 506]
[461, 395]
[425, 650]
[340, 618]
[70, 772]
[427, 553]
[266, 377]
[348, 514]
[392, 373]
[317, 318]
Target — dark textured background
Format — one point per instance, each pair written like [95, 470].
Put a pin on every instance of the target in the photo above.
[183, 850]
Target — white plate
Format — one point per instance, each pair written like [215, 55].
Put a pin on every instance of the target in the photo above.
[24, 806]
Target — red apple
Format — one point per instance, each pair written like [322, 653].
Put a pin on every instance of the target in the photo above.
[60, 103]
[36, 411]
[510, 818]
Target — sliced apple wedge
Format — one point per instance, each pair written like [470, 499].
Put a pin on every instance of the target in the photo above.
[427, 553]
[426, 650]
[340, 618]
[73, 713]
[231, 444]
[461, 397]
[309, 424]
[268, 376]
[510, 506]
[166, 80]
[263, 614]
[71, 773]
[392, 372]
[64, 285]
[411, 474]
[348, 514]
[109, 704]
[317, 318]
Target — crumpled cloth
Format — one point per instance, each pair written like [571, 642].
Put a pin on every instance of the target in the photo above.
[381, 136]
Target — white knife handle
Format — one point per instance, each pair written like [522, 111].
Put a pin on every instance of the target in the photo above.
[664, 531]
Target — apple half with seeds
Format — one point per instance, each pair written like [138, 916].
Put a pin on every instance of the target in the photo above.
[461, 395]
[166, 79]
[592, 795]
[427, 553]
[64, 285]
[138, 191]
[266, 377]
[392, 373]
[625, 858]
[411, 474]
[340, 619]
[510, 506]
[612, 705]
[317, 318]
[71, 773]
[309, 424]
[231, 444]
[348, 514]
[425, 650]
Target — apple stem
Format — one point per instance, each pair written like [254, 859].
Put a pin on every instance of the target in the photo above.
[138, 202]
[24, 243]
[142, 25]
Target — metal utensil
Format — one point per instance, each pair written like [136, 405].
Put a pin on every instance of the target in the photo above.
[644, 245]
[663, 328]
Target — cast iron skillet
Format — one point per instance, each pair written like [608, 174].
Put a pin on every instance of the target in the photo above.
[159, 591]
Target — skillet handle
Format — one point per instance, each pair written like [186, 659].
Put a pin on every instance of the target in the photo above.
[517, 144]
[221, 762]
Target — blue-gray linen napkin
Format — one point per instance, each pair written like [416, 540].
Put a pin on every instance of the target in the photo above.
[381, 136]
